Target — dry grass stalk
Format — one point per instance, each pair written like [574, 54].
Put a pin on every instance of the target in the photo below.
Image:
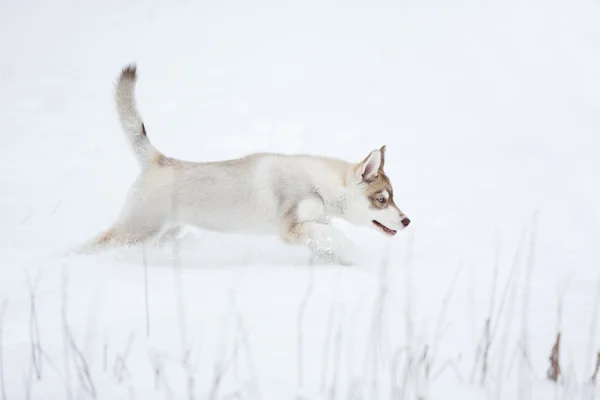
[300, 325]
[597, 370]
[221, 367]
[488, 343]
[336, 362]
[34, 328]
[105, 355]
[65, 330]
[83, 370]
[2, 383]
[327, 341]
[506, 310]
[554, 372]
[120, 367]
[146, 299]
[425, 362]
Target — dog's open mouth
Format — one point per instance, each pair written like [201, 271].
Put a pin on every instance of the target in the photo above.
[385, 229]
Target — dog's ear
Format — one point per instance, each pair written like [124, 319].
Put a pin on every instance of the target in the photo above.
[367, 169]
[382, 150]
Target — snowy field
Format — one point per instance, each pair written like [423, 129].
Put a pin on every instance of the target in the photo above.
[491, 114]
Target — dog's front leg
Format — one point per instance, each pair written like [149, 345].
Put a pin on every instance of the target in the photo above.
[322, 239]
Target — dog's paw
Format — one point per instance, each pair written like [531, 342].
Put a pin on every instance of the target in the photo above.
[330, 246]
[346, 257]
[344, 250]
[326, 255]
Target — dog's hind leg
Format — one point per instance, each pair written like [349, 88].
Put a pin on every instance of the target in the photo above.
[137, 224]
[117, 236]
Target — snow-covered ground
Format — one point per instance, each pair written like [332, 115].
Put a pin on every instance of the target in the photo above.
[491, 114]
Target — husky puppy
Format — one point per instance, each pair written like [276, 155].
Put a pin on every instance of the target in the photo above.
[292, 196]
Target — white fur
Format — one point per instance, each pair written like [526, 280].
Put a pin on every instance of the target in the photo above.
[293, 196]
[370, 167]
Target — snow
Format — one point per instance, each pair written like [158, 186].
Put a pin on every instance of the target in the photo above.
[490, 113]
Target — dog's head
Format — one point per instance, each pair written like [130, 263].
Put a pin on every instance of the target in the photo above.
[371, 197]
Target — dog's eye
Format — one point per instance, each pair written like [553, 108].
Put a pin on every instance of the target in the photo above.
[381, 200]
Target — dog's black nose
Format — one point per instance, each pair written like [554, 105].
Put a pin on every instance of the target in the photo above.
[405, 222]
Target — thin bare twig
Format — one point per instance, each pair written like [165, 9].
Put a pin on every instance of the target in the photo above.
[595, 375]
[525, 381]
[157, 367]
[426, 363]
[28, 380]
[554, 371]
[395, 366]
[2, 383]
[66, 345]
[53, 365]
[83, 371]
[508, 287]
[593, 325]
[445, 305]
[177, 272]
[34, 327]
[146, 294]
[328, 334]
[487, 338]
[221, 369]
[157, 360]
[486, 351]
[454, 367]
[300, 322]
[508, 299]
[336, 360]
[120, 366]
[249, 357]
[409, 324]
[376, 330]
[105, 354]
[409, 317]
[242, 338]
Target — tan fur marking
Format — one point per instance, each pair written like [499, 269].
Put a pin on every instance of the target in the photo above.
[113, 237]
[382, 150]
[106, 237]
[375, 189]
[290, 225]
[160, 159]
[164, 161]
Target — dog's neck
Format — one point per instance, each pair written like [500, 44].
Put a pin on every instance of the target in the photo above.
[337, 203]
[336, 199]
[341, 204]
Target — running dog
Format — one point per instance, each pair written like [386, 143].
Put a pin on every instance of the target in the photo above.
[292, 196]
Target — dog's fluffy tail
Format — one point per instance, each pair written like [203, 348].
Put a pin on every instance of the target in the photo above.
[130, 118]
